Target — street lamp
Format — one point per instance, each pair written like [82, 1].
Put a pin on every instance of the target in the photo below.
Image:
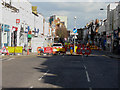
[75, 21]
[102, 9]
[74, 34]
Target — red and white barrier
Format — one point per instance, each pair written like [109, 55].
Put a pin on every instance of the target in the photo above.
[83, 51]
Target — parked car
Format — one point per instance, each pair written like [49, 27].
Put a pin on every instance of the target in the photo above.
[58, 48]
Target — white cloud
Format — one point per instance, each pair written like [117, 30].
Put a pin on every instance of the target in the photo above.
[85, 11]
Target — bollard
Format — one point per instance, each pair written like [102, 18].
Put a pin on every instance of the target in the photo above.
[71, 50]
[27, 51]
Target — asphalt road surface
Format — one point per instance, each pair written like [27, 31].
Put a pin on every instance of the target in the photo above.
[94, 71]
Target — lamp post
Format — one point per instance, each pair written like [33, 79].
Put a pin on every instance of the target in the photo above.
[74, 34]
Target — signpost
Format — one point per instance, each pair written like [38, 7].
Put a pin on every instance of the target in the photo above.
[75, 32]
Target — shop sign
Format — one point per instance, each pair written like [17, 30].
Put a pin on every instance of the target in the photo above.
[29, 36]
[5, 37]
[36, 30]
[17, 21]
[14, 28]
[6, 28]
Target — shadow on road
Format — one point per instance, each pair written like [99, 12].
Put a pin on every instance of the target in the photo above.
[63, 72]
[67, 71]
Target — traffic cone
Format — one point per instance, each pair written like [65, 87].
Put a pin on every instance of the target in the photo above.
[7, 53]
[27, 51]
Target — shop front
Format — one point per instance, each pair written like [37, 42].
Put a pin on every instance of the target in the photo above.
[116, 42]
[4, 35]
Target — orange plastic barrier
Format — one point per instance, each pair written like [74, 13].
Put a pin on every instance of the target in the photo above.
[38, 50]
[27, 51]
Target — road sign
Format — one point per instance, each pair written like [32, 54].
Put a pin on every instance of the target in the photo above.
[75, 30]
[48, 49]
[4, 50]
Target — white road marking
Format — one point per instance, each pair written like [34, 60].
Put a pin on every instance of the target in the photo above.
[85, 67]
[10, 59]
[31, 86]
[6, 59]
[43, 75]
[2, 59]
[87, 76]
[40, 78]
[90, 88]
[106, 56]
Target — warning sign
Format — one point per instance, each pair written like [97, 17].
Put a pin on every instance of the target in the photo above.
[4, 50]
[48, 50]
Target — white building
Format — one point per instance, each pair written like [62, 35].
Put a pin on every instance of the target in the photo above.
[29, 27]
[102, 27]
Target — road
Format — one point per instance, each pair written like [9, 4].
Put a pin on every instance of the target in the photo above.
[94, 71]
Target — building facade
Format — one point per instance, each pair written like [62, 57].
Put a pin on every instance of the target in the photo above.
[20, 25]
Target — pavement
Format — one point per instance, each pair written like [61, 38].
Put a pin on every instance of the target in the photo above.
[9, 57]
[62, 71]
[109, 54]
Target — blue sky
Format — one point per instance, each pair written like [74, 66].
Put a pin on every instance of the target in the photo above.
[84, 11]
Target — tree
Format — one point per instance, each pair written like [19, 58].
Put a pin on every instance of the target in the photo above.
[61, 32]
